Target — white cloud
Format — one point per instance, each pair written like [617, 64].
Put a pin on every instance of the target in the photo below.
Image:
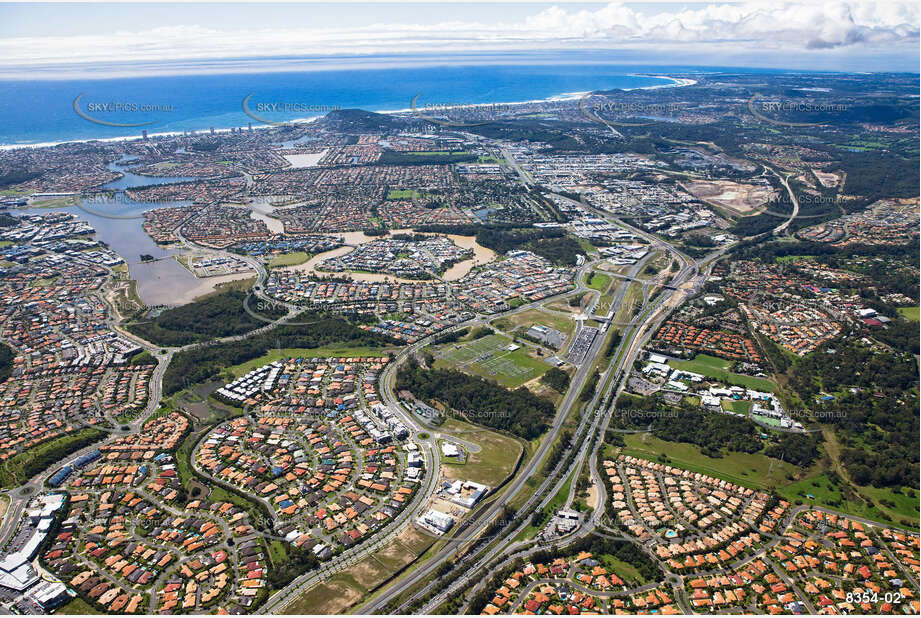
[745, 27]
[771, 24]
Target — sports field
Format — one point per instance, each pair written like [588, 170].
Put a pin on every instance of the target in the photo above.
[403, 194]
[739, 407]
[526, 319]
[488, 357]
[718, 369]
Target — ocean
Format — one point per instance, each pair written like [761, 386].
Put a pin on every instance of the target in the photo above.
[42, 111]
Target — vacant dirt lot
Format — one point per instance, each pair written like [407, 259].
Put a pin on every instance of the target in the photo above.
[738, 198]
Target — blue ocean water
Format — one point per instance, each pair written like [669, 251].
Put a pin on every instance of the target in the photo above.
[43, 111]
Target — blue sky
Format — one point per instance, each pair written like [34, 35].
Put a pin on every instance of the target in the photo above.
[844, 35]
[57, 18]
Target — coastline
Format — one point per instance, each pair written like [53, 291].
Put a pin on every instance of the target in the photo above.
[676, 82]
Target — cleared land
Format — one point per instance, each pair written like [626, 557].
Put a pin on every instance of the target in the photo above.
[528, 318]
[404, 194]
[739, 199]
[901, 503]
[825, 493]
[495, 460]
[289, 259]
[349, 587]
[563, 305]
[599, 281]
[827, 179]
[750, 470]
[910, 313]
[76, 607]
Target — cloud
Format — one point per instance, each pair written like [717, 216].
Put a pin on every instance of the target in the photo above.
[770, 24]
[747, 27]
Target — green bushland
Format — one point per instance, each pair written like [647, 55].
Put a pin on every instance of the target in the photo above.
[15, 177]
[450, 337]
[207, 361]
[878, 424]
[480, 332]
[612, 344]
[483, 401]
[20, 468]
[143, 358]
[557, 379]
[588, 391]
[217, 315]
[391, 157]
[559, 251]
[7, 354]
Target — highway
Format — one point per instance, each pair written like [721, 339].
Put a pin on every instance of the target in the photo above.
[432, 462]
[472, 557]
[687, 281]
[600, 419]
[281, 599]
[590, 428]
[782, 228]
[481, 519]
[552, 483]
[627, 351]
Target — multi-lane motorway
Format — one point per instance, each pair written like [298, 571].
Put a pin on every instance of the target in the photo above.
[432, 464]
[593, 424]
